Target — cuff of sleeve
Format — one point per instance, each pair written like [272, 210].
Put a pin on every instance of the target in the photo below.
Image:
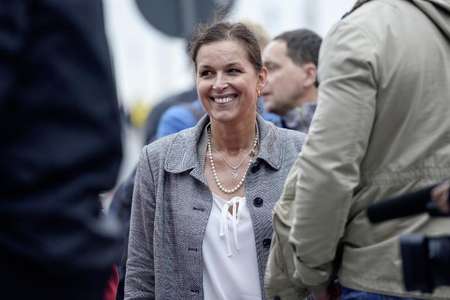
[315, 280]
[287, 294]
[319, 288]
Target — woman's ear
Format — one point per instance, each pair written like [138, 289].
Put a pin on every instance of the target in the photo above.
[262, 78]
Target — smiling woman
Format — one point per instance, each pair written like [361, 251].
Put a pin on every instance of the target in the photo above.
[201, 222]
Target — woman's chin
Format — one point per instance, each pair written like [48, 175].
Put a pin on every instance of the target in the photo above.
[224, 117]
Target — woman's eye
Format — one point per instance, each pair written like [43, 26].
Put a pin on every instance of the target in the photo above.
[205, 73]
[234, 71]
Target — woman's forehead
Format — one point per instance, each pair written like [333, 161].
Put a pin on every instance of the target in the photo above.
[222, 52]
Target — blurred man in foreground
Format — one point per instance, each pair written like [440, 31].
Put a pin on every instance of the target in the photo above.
[61, 148]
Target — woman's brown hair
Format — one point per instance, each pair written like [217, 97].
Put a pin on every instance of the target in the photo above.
[226, 31]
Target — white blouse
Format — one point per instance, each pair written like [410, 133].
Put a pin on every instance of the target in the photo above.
[230, 266]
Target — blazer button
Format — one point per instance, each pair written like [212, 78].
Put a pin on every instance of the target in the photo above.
[198, 208]
[255, 168]
[266, 243]
[258, 202]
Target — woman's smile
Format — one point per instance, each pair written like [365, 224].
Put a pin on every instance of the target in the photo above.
[223, 99]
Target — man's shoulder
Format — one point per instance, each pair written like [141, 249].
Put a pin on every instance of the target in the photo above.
[175, 119]
[366, 17]
[179, 111]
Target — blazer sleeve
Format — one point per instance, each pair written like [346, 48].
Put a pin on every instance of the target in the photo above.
[329, 164]
[140, 275]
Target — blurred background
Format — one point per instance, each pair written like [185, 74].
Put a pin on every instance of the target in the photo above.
[148, 40]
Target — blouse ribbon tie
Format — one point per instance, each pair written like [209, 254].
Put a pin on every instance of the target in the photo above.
[224, 230]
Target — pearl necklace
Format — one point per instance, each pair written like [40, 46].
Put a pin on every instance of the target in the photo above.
[213, 166]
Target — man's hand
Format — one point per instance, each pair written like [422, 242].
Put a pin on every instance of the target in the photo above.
[440, 196]
[323, 295]
[333, 292]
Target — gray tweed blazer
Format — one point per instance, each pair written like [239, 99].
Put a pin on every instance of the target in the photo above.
[172, 203]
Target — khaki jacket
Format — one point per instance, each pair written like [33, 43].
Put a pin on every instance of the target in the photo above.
[381, 128]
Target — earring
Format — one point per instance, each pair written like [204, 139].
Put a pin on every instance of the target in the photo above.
[258, 92]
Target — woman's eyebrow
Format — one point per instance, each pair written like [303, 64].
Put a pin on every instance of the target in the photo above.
[233, 64]
[204, 67]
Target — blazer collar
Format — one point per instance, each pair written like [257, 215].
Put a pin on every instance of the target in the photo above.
[188, 148]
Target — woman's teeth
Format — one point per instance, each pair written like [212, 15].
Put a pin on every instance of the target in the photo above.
[223, 100]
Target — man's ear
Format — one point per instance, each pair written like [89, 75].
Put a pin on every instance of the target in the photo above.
[311, 74]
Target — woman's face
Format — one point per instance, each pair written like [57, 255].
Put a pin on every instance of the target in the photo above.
[227, 82]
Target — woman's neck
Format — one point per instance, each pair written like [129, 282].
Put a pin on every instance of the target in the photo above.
[233, 138]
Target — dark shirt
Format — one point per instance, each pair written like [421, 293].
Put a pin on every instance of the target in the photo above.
[299, 118]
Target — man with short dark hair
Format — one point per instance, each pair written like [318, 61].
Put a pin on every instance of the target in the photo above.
[291, 89]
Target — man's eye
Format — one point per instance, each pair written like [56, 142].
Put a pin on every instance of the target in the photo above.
[234, 71]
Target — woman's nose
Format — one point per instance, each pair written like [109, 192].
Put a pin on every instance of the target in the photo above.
[220, 84]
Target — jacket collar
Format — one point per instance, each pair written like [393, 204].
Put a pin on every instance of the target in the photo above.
[188, 148]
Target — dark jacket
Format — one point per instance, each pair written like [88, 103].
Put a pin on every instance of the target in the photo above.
[61, 136]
